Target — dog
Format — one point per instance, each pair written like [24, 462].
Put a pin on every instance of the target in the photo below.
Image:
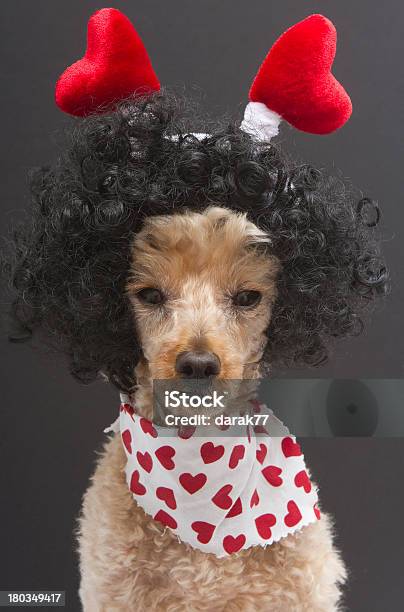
[128, 561]
[124, 283]
[155, 253]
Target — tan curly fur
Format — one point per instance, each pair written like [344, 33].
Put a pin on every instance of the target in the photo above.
[128, 561]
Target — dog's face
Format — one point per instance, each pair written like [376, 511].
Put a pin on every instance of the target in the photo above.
[202, 287]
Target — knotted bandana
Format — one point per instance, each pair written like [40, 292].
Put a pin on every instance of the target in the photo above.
[223, 494]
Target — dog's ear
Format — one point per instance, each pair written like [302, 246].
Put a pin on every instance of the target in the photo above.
[331, 267]
[71, 260]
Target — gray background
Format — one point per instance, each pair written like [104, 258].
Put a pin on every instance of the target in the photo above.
[51, 427]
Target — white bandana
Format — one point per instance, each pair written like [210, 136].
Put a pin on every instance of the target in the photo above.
[223, 494]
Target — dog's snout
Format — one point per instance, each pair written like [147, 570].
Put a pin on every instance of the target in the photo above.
[197, 364]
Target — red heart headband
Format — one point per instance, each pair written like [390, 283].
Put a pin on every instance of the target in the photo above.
[294, 82]
[114, 67]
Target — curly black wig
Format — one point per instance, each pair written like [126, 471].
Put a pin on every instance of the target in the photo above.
[72, 261]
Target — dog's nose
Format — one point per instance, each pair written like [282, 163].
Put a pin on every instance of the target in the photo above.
[197, 364]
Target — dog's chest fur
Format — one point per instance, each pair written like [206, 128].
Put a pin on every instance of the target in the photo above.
[130, 562]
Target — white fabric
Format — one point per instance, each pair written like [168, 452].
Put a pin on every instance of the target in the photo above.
[260, 122]
[220, 494]
[197, 135]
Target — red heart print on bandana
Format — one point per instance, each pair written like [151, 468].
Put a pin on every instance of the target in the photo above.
[261, 453]
[165, 455]
[186, 431]
[211, 453]
[192, 484]
[145, 461]
[127, 440]
[290, 448]
[237, 455]
[260, 429]
[272, 475]
[204, 531]
[166, 495]
[232, 545]
[128, 409]
[162, 517]
[263, 524]
[302, 480]
[135, 485]
[317, 511]
[251, 494]
[255, 499]
[222, 498]
[293, 516]
[235, 510]
[147, 427]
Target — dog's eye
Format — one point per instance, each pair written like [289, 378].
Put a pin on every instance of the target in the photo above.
[149, 295]
[245, 299]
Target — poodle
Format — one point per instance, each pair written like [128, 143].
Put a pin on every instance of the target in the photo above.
[156, 253]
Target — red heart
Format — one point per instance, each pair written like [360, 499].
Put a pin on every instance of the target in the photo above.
[192, 484]
[261, 453]
[295, 78]
[211, 453]
[145, 460]
[222, 498]
[263, 524]
[162, 517]
[114, 67]
[128, 409]
[135, 485]
[204, 531]
[236, 455]
[272, 475]
[317, 511]
[165, 455]
[127, 440]
[236, 509]
[166, 495]
[302, 480]
[260, 429]
[290, 448]
[186, 431]
[255, 498]
[147, 427]
[233, 545]
[294, 515]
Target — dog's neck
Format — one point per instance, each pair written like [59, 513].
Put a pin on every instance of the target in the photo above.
[143, 394]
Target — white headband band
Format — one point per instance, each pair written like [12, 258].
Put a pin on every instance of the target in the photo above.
[260, 122]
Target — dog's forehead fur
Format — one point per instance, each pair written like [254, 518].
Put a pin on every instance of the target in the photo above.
[217, 244]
